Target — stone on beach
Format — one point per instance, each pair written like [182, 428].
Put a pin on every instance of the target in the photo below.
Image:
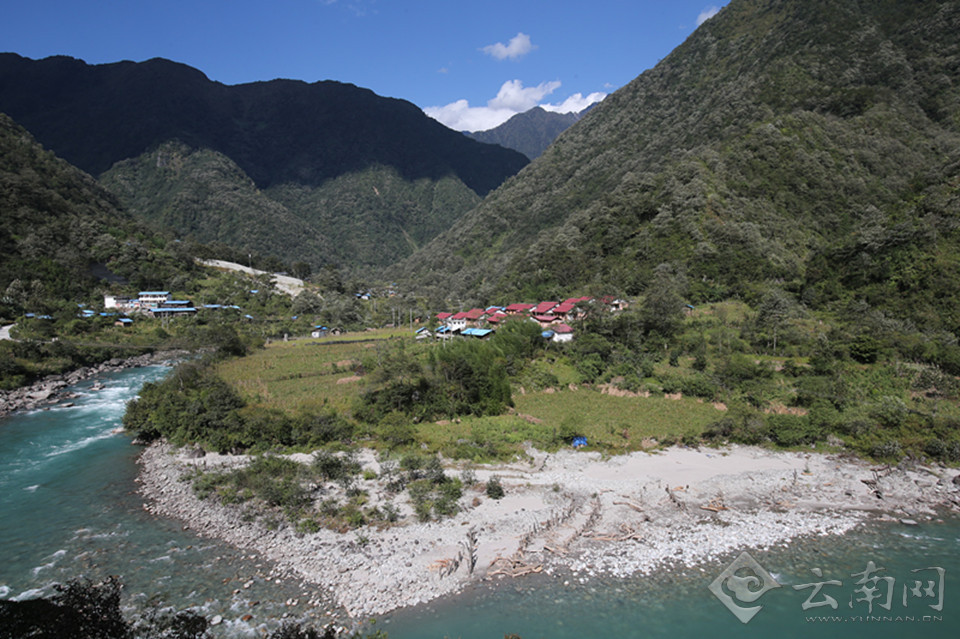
[569, 510]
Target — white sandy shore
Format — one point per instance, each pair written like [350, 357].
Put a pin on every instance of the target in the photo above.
[568, 511]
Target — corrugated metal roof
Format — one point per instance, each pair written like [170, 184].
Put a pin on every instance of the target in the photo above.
[477, 332]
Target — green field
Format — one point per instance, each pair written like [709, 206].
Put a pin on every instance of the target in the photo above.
[618, 423]
[323, 374]
[306, 374]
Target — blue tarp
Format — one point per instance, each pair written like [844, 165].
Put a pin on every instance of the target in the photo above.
[579, 441]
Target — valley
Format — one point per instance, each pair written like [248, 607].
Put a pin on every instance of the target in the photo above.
[716, 312]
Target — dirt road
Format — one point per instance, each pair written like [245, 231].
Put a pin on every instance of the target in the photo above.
[289, 285]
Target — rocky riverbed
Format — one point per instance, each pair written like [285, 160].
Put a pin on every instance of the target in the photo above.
[572, 514]
[54, 389]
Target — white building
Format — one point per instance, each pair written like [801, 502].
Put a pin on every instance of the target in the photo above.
[562, 333]
[153, 298]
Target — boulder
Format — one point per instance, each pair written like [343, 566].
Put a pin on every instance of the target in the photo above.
[194, 453]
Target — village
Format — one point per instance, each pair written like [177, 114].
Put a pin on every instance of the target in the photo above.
[552, 316]
[555, 318]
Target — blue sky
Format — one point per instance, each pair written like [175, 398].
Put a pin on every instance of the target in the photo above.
[469, 64]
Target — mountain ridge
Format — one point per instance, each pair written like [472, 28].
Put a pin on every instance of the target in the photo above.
[749, 154]
[143, 104]
[257, 143]
[530, 132]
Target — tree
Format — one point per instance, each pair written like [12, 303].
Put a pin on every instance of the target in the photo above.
[776, 307]
[307, 303]
[662, 309]
[301, 270]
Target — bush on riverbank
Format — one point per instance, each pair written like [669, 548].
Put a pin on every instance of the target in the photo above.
[328, 493]
[190, 405]
[23, 362]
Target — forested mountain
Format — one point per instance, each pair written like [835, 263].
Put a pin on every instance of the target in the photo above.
[61, 230]
[530, 132]
[207, 197]
[814, 146]
[280, 134]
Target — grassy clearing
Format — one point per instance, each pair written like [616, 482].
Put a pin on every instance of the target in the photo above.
[617, 423]
[482, 439]
[303, 375]
[550, 420]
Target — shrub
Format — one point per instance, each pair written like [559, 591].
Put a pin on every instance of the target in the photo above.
[700, 361]
[334, 467]
[699, 386]
[431, 491]
[316, 430]
[630, 382]
[536, 376]
[589, 368]
[495, 488]
[396, 430]
[746, 427]
[739, 368]
[890, 450]
[792, 430]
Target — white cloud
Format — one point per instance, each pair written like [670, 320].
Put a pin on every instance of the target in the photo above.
[518, 47]
[518, 98]
[706, 14]
[575, 103]
[511, 99]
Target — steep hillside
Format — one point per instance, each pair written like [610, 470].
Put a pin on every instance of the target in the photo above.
[374, 216]
[280, 134]
[210, 199]
[814, 144]
[530, 132]
[61, 230]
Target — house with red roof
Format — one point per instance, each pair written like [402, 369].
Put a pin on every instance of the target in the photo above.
[543, 308]
[546, 320]
[516, 309]
[562, 333]
[474, 315]
[563, 308]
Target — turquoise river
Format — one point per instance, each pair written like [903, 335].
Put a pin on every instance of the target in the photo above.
[68, 507]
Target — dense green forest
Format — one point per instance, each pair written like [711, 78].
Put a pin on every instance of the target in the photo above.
[207, 198]
[63, 233]
[814, 146]
[361, 221]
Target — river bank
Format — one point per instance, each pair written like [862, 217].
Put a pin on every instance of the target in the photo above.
[55, 389]
[571, 514]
